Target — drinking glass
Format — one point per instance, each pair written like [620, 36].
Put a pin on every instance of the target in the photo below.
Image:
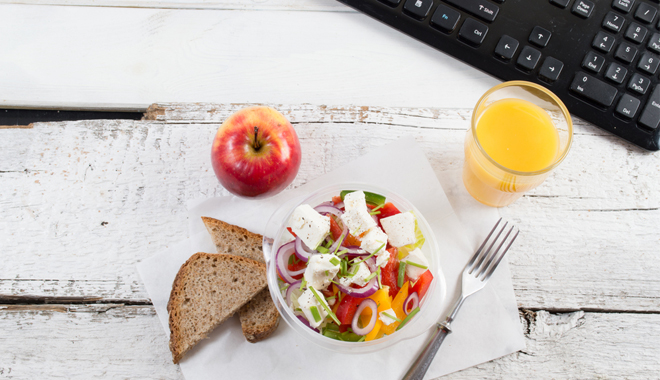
[520, 132]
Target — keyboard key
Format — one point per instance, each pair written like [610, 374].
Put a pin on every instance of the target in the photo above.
[540, 36]
[623, 5]
[483, 9]
[550, 69]
[651, 113]
[593, 89]
[636, 33]
[528, 58]
[418, 9]
[473, 32]
[613, 22]
[649, 63]
[654, 42]
[445, 19]
[628, 106]
[616, 73]
[603, 42]
[639, 83]
[645, 13]
[583, 8]
[506, 48]
[625, 52]
[560, 3]
[593, 62]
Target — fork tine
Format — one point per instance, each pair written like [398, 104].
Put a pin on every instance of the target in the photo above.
[480, 250]
[495, 263]
[493, 254]
[479, 265]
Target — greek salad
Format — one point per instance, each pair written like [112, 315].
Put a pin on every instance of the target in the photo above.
[354, 269]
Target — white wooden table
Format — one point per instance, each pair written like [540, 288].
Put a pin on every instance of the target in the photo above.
[83, 202]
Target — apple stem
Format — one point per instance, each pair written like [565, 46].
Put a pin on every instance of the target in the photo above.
[256, 144]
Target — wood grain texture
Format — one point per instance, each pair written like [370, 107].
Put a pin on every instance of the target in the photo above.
[84, 201]
[255, 5]
[95, 197]
[116, 341]
[128, 57]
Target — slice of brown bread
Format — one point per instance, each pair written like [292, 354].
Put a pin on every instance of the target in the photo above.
[259, 318]
[208, 289]
[234, 240]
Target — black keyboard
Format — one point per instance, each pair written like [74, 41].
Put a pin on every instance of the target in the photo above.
[600, 57]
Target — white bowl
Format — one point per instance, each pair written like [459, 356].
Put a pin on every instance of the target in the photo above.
[430, 308]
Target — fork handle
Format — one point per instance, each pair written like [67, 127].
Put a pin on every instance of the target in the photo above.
[421, 365]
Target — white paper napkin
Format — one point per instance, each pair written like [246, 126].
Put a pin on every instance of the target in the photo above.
[487, 327]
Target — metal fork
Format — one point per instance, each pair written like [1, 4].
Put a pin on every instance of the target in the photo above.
[474, 278]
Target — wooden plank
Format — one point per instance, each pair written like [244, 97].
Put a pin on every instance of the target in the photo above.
[286, 5]
[83, 341]
[126, 58]
[115, 341]
[84, 201]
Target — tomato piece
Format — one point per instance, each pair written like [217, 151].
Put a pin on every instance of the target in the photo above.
[343, 327]
[335, 230]
[388, 209]
[296, 265]
[389, 274]
[291, 231]
[347, 308]
[336, 199]
[422, 284]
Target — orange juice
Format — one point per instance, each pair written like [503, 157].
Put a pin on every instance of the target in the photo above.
[516, 134]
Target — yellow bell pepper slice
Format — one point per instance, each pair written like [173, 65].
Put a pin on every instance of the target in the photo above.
[397, 306]
[384, 302]
[373, 334]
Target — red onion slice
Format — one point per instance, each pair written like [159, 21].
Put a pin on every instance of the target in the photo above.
[282, 261]
[367, 303]
[289, 292]
[340, 205]
[328, 209]
[371, 263]
[362, 292]
[306, 323]
[414, 297]
[302, 251]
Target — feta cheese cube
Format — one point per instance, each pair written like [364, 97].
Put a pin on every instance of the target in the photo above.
[385, 319]
[382, 257]
[355, 199]
[359, 279]
[306, 301]
[358, 220]
[320, 271]
[373, 240]
[416, 256]
[400, 228]
[309, 225]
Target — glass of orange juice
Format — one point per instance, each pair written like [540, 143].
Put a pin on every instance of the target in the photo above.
[520, 132]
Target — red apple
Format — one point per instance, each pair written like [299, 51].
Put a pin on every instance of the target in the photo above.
[256, 152]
